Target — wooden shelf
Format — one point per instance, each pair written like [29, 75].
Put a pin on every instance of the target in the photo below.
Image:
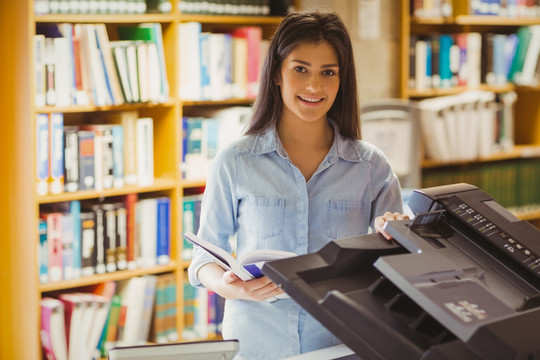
[105, 18]
[413, 93]
[519, 152]
[100, 278]
[160, 184]
[92, 108]
[475, 20]
[226, 19]
[228, 102]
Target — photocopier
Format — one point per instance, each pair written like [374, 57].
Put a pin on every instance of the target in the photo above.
[461, 280]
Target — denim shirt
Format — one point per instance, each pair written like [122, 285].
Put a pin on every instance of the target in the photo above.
[255, 192]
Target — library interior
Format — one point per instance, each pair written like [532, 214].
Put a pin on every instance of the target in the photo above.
[113, 111]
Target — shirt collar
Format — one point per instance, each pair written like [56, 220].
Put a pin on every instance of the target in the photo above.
[347, 149]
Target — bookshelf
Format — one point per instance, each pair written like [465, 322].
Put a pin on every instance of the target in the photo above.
[19, 306]
[526, 108]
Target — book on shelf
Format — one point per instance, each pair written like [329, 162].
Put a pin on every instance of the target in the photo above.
[86, 160]
[71, 159]
[42, 155]
[163, 237]
[191, 212]
[53, 332]
[88, 241]
[56, 153]
[248, 266]
[145, 151]
[43, 252]
[151, 35]
[54, 242]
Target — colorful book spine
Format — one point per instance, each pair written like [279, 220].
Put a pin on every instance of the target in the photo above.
[71, 159]
[88, 242]
[118, 155]
[75, 211]
[56, 150]
[86, 160]
[163, 230]
[43, 252]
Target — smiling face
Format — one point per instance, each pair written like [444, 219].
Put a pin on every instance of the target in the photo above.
[309, 81]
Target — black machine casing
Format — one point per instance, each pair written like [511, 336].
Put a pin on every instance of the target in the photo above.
[460, 281]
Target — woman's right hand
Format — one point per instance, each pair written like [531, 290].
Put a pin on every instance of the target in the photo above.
[228, 285]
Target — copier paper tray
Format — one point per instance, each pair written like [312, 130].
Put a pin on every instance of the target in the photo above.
[438, 291]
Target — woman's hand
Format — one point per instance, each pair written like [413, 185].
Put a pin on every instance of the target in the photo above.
[228, 285]
[258, 289]
[388, 216]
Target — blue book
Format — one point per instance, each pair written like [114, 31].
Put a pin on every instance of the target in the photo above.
[163, 230]
[43, 253]
[75, 211]
[499, 69]
[446, 43]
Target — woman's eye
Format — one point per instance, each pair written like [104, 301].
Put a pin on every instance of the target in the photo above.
[329, 72]
[300, 69]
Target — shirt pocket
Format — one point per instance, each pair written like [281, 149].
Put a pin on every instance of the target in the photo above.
[264, 216]
[347, 218]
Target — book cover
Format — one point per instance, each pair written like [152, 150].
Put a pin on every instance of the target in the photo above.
[160, 307]
[246, 267]
[253, 35]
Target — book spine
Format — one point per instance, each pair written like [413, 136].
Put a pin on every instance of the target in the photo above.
[67, 246]
[101, 266]
[56, 150]
[163, 230]
[110, 234]
[121, 234]
[131, 201]
[39, 69]
[107, 142]
[86, 160]
[145, 151]
[71, 159]
[42, 156]
[54, 239]
[118, 155]
[75, 211]
[88, 242]
[43, 252]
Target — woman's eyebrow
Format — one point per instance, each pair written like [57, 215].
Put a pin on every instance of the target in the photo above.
[309, 64]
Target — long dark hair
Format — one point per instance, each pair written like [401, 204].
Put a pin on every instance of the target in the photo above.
[312, 27]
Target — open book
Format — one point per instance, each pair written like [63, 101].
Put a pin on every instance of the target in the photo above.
[248, 266]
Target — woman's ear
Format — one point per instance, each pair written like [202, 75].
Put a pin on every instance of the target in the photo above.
[277, 80]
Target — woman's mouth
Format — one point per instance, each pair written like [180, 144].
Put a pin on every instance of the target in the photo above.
[311, 100]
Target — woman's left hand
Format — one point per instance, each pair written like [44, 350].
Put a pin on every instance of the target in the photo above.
[388, 216]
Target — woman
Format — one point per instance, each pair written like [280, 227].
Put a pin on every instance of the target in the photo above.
[297, 180]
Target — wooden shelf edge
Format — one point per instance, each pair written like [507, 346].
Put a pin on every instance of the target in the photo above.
[100, 278]
[480, 20]
[105, 18]
[92, 108]
[160, 184]
[527, 213]
[519, 152]
[230, 19]
[413, 93]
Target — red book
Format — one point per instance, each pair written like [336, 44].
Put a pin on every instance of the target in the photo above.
[131, 200]
[54, 240]
[253, 35]
[53, 333]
